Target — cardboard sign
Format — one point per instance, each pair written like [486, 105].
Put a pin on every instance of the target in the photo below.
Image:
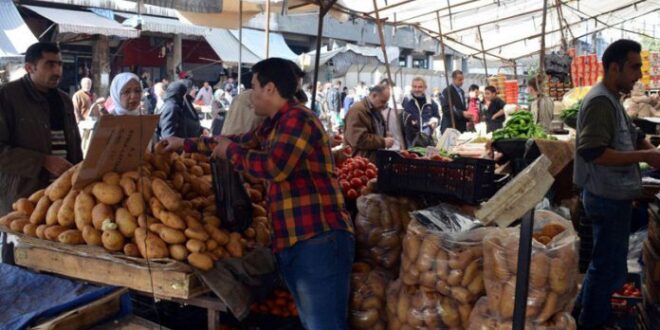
[117, 145]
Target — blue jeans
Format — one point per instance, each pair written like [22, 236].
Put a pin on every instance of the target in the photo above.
[608, 268]
[318, 274]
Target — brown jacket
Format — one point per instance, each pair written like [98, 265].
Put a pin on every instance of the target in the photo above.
[363, 133]
[25, 139]
[82, 104]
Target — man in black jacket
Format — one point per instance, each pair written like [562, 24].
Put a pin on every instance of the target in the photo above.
[459, 104]
[39, 137]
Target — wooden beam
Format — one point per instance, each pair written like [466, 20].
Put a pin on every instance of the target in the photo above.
[444, 60]
[527, 13]
[564, 46]
[381, 36]
[557, 30]
[451, 25]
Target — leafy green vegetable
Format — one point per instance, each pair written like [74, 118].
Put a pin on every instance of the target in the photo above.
[520, 126]
[571, 112]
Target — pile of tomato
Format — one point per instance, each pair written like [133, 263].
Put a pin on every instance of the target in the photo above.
[354, 174]
[280, 303]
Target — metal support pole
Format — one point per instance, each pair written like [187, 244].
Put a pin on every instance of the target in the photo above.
[240, 46]
[381, 35]
[324, 7]
[564, 45]
[541, 83]
[267, 28]
[483, 53]
[515, 70]
[450, 101]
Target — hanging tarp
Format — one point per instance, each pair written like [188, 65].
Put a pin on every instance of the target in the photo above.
[84, 22]
[15, 36]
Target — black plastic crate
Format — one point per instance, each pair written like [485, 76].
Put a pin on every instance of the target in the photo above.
[466, 179]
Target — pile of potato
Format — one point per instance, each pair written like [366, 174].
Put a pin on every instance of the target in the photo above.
[449, 264]
[380, 226]
[482, 319]
[367, 304]
[410, 307]
[553, 269]
[164, 209]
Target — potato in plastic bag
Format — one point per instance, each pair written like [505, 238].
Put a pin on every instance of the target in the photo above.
[368, 304]
[483, 319]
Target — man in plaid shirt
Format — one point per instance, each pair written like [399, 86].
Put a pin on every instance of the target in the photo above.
[312, 232]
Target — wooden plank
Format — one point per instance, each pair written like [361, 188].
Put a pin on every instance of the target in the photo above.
[131, 322]
[88, 315]
[154, 280]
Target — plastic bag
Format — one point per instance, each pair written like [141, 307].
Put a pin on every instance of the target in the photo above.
[482, 319]
[409, 307]
[380, 226]
[553, 269]
[233, 205]
[368, 304]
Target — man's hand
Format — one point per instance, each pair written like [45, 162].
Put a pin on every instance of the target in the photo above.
[220, 150]
[468, 115]
[389, 142]
[653, 158]
[170, 144]
[56, 165]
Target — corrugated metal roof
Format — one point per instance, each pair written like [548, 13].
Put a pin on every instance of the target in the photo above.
[164, 25]
[75, 21]
[15, 36]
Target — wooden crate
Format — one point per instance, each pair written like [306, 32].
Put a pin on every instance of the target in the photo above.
[165, 278]
[88, 315]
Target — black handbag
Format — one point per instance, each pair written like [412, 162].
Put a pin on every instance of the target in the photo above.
[232, 203]
[423, 140]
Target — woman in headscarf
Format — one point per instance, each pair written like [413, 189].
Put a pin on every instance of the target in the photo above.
[178, 117]
[126, 94]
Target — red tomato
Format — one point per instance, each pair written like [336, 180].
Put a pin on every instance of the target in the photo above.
[370, 173]
[364, 179]
[352, 194]
[358, 173]
[345, 185]
[356, 183]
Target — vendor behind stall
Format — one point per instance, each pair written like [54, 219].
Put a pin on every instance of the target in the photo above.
[312, 232]
[609, 150]
[39, 137]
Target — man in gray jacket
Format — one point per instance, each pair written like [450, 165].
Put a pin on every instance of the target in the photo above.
[609, 149]
[39, 138]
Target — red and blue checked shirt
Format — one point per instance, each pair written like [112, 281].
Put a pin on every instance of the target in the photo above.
[292, 152]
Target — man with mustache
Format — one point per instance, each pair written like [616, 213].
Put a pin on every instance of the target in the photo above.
[39, 138]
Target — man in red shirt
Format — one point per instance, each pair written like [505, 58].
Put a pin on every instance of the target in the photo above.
[312, 232]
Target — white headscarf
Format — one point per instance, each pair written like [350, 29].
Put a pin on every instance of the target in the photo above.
[117, 85]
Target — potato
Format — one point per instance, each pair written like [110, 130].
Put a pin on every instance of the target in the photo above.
[198, 234]
[24, 205]
[234, 247]
[212, 220]
[462, 295]
[144, 187]
[131, 250]
[66, 215]
[135, 204]
[91, 236]
[108, 193]
[128, 185]
[177, 181]
[53, 210]
[194, 246]
[200, 261]
[476, 287]
[471, 271]
[125, 222]
[455, 277]
[38, 216]
[166, 195]
[111, 178]
[146, 220]
[71, 236]
[82, 210]
[211, 245]
[17, 225]
[30, 230]
[88, 188]
[178, 252]
[171, 236]
[538, 270]
[258, 211]
[193, 223]
[100, 213]
[217, 234]
[61, 186]
[150, 245]
[364, 319]
[196, 171]
[134, 175]
[559, 276]
[255, 195]
[52, 232]
[40, 231]
[11, 216]
[172, 220]
[263, 235]
[36, 196]
[112, 240]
